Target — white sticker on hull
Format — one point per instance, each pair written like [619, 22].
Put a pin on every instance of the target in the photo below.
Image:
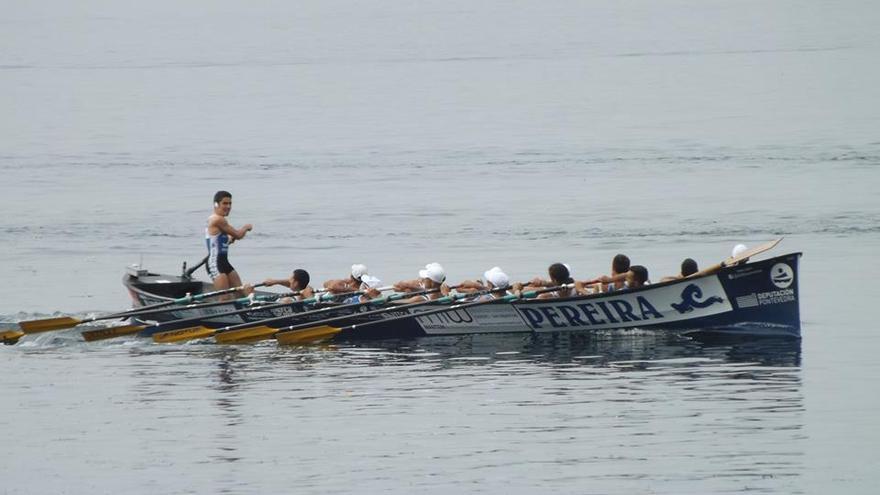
[491, 318]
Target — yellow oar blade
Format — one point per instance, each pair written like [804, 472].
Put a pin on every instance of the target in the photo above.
[10, 337]
[35, 326]
[183, 334]
[111, 332]
[245, 335]
[307, 335]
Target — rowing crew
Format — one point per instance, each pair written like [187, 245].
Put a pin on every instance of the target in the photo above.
[219, 234]
[360, 286]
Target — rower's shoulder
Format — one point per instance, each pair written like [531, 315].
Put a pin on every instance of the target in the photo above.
[215, 219]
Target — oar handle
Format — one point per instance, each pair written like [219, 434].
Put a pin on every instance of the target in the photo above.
[240, 300]
[263, 331]
[155, 308]
[378, 300]
[319, 298]
[199, 297]
[256, 307]
[382, 300]
[275, 297]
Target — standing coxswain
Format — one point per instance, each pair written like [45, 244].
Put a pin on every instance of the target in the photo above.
[219, 234]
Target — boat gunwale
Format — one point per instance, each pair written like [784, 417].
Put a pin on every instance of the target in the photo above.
[632, 290]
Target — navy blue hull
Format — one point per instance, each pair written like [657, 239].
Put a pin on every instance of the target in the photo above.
[754, 299]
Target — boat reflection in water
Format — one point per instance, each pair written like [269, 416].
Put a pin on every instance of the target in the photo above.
[635, 346]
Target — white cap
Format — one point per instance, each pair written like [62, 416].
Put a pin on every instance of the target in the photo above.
[498, 278]
[738, 250]
[358, 271]
[433, 271]
[370, 282]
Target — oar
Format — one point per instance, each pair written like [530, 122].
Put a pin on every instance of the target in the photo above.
[103, 333]
[10, 337]
[273, 332]
[199, 332]
[248, 333]
[59, 323]
[251, 298]
[310, 333]
[123, 330]
[748, 253]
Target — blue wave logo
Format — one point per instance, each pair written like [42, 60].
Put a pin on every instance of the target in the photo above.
[689, 300]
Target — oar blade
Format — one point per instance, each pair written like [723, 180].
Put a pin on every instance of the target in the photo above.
[736, 259]
[111, 332]
[748, 253]
[36, 326]
[10, 337]
[183, 334]
[245, 335]
[307, 335]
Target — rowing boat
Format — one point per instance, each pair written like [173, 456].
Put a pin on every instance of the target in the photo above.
[753, 299]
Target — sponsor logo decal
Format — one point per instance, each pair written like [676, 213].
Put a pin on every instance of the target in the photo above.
[614, 311]
[662, 305]
[744, 273]
[446, 319]
[765, 298]
[689, 301]
[781, 275]
[747, 301]
[776, 297]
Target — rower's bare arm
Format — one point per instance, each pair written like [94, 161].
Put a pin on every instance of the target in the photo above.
[370, 293]
[223, 225]
[469, 286]
[539, 282]
[407, 286]
[337, 285]
[276, 281]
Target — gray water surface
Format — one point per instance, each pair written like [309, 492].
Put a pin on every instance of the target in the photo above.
[501, 133]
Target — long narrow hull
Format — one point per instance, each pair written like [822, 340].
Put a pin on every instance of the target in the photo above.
[754, 299]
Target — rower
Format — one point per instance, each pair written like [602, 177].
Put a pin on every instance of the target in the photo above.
[298, 281]
[619, 267]
[219, 234]
[559, 275]
[350, 284]
[495, 279]
[432, 276]
[370, 288]
[738, 250]
[688, 268]
[636, 277]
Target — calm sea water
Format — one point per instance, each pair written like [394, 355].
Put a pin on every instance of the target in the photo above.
[505, 133]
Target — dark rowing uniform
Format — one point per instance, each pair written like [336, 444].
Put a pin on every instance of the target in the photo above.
[218, 249]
